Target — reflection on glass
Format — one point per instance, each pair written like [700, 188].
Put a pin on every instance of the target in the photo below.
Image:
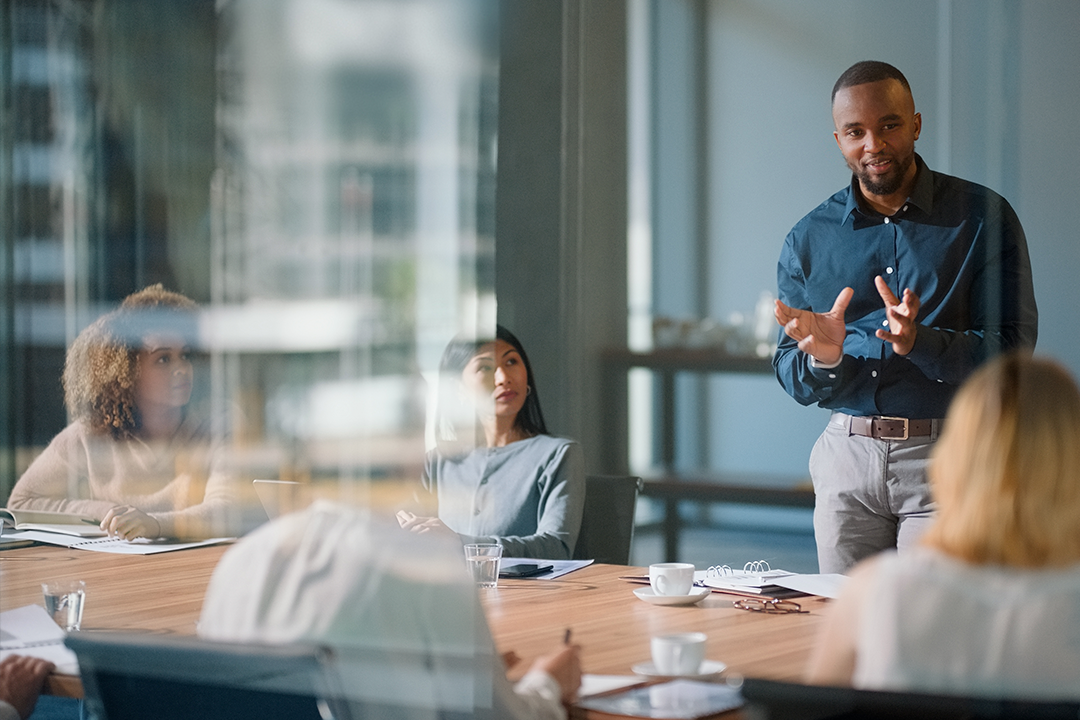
[317, 175]
[347, 205]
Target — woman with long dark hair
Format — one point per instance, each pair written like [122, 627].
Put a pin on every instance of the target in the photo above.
[496, 473]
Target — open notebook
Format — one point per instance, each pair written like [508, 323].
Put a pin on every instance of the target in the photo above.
[54, 522]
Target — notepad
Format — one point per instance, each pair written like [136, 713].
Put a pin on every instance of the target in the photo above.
[755, 578]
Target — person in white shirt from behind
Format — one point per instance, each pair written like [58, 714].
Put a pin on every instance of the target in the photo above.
[342, 577]
[989, 605]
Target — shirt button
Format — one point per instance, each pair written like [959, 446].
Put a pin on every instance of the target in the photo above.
[873, 373]
[886, 221]
[888, 271]
[884, 323]
[904, 209]
[832, 376]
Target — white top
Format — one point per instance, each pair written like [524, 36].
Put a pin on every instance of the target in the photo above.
[399, 608]
[934, 624]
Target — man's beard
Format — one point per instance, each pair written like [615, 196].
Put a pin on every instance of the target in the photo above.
[884, 184]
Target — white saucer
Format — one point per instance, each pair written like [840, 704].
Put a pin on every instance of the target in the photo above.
[708, 669]
[695, 596]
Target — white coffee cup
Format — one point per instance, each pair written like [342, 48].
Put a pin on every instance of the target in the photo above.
[678, 654]
[671, 578]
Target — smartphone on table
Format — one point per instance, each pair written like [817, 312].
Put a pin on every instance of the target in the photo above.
[520, 570]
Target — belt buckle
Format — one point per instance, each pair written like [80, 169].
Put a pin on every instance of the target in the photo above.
[902, 420]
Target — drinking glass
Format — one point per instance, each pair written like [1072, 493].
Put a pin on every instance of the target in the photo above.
[483, 560]
[64, 600]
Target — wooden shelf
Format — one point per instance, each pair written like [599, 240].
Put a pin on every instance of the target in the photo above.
[699, 360]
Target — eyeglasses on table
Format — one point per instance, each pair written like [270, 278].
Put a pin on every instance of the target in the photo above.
[772, 606]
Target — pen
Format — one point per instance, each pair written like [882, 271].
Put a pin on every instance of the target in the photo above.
[566, 637]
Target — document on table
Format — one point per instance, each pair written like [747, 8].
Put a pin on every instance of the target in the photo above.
[769, 582]
[30, 631]
[558, 567]
[601, 684]
[139, 546]
[676, 699]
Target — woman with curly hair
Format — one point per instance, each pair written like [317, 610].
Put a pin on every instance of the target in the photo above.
[134, 456]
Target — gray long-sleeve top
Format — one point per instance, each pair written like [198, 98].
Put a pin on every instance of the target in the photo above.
[527, 496]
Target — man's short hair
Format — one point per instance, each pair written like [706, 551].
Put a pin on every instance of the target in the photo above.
[868, 71]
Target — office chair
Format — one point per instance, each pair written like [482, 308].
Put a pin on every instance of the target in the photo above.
[134, 677]
[607, 524]
[773, 700]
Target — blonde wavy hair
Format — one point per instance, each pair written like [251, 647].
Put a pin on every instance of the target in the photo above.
[1005, 472]
[101, 366]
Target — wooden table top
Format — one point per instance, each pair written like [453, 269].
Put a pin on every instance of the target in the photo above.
[614, 627]
[163, 594]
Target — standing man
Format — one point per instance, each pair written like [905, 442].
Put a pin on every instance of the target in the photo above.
[891, 292]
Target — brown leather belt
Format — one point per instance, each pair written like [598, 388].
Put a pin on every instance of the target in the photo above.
[881, 427]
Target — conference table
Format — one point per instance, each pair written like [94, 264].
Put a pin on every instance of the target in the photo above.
[163, 594]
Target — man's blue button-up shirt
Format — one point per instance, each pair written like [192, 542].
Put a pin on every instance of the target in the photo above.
[957, 245]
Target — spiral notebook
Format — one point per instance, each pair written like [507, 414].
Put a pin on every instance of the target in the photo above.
[758, 578]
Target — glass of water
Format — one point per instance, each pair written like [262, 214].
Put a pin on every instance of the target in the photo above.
[64, 600]
[483, 560]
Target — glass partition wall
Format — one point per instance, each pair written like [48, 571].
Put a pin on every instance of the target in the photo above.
[317, 174]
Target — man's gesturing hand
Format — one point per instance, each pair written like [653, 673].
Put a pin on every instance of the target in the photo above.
[901, 316]
[820, 335]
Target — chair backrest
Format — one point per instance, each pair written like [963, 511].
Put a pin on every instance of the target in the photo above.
[607, 525]
[773, 700]
[132, 677]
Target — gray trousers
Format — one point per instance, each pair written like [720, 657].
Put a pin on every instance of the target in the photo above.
[870, 495]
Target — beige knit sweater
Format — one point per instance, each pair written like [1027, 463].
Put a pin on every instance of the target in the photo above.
[172, 481]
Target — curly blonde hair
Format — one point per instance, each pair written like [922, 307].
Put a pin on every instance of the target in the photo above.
[101, 367]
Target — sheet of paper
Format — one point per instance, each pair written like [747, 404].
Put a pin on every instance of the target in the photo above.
[596, 684]
[677, 699]
[29, 630]
[558, 569]
[826, 585]
[140, 546]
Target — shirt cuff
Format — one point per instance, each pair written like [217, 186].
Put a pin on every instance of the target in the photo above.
[815, 363]
[541, 687]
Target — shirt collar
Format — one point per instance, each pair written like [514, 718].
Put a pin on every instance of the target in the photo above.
[922, 197]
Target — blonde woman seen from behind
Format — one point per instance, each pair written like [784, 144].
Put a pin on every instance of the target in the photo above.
[989, 604]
